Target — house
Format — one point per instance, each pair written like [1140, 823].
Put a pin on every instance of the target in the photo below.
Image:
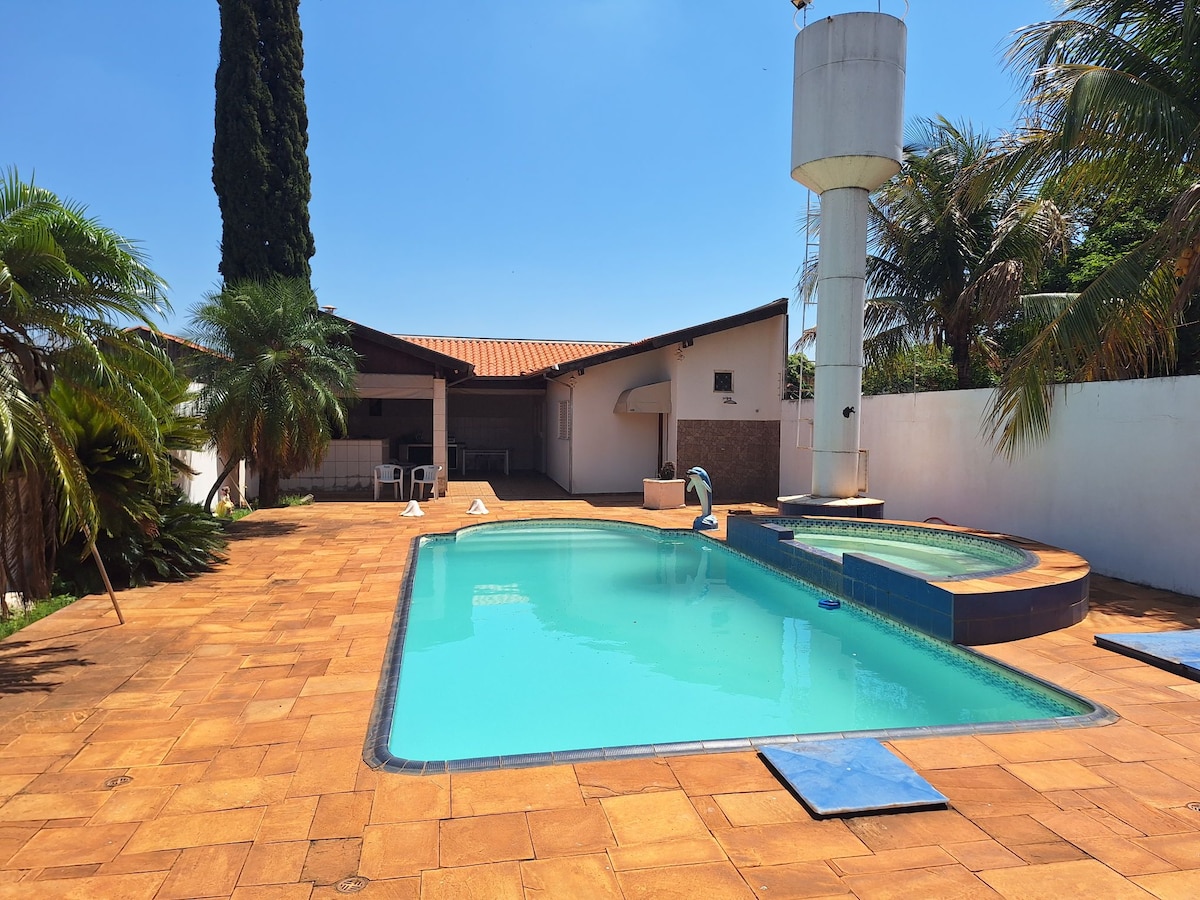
[594, 417]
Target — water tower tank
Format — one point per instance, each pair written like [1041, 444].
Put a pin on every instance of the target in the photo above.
[847, 120]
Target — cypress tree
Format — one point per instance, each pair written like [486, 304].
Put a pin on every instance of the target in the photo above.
[260, 150]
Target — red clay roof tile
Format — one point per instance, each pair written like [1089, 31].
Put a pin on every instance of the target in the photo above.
[509, 357]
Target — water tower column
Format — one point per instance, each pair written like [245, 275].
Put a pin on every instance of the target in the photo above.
[847, 131]
[841, 285]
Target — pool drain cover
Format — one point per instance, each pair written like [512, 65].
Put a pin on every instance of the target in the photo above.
[352, 885]
[118, 781]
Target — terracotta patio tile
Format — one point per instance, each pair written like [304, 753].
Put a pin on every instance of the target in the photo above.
[400, 798]
[893, 861]
[762, 808]
[227, 793]
[981, 791]
[1013, 830]
[513, 790]
[126, 863]
[710, 813]
[273, 892]
[1048, 852]
[72, 846]
[398, 850]
[772, 845]
[136, 886]
[288, 820]
[569, 832]
[341, 815]
[498, 881]
[184, 773]
[1036, 746]
[324, 772]
[678, 852]
[204, 872]
[1171, 885]
[279, 863]
[280, 759]
[1059, 774]
[924, 829]
[795, 881]
[570, 878]
[712, 881]
[27, 807]
[1149, 783]
[1131, 743]
[658, 816]
[723, 773]
[118, 754]
[328, 862]
[199, 830]
[1181, 850]
[945, 881]
[1124, 806]
[485, 839]
[131, 804]
[978, 855]
[946, 752]
[279, 689]
[1082, 878]
[333, 730]
[634, 776]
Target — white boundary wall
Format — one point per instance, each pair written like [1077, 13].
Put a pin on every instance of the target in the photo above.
[1117, 481]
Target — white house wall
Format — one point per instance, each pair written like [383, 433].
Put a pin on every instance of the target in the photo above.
[1116, 481]
[755, 353]
[612, 452]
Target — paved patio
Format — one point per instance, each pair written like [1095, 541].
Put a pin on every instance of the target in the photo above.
[212, 747]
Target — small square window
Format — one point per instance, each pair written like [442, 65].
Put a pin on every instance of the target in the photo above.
[723, 382]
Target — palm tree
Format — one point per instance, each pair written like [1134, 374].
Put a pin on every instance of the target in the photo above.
[64, 279]
[953, 252]
[276, 380]
[1114, 106]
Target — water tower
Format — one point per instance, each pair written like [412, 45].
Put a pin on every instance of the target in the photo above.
[847, 139]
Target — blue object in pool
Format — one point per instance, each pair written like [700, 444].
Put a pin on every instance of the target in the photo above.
[1177, 651]
[853, 775]
[829, 603]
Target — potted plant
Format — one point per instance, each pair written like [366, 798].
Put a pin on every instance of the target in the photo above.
[665, 491]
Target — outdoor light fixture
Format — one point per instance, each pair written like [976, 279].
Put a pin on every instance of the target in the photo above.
[802, 4]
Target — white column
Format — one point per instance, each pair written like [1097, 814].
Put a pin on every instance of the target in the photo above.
[441, 454]
[841, 295]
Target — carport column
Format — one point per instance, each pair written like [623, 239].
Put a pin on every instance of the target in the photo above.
[441, 455]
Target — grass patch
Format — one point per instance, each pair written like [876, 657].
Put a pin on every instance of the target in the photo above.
[294, 500]
[40, 609]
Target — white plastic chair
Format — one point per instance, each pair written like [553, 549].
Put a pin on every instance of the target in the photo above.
[424, 475]
[393, 475]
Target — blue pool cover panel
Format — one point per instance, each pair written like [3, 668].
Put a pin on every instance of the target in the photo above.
[849, 776]
[1176, 651]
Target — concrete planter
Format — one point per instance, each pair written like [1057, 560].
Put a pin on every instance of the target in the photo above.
[662, 493]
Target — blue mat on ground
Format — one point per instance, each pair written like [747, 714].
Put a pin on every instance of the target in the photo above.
[1176, 651]
[849, 776]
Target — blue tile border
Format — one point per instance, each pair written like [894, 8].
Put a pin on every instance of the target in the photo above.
[377, 755]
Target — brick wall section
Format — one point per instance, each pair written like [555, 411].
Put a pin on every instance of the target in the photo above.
[741, 458]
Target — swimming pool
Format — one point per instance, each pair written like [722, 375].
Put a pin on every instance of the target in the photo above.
[536, 642]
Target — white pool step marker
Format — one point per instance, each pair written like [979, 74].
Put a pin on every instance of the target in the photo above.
[477, 508]
[413, 509]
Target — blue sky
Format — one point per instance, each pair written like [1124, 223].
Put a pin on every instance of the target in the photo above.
[588, 169]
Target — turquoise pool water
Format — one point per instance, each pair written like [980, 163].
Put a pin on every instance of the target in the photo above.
[536, 638]
[932, 553]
